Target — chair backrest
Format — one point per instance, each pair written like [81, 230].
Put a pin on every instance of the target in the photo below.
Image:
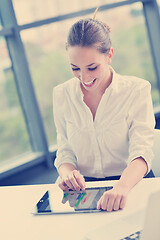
[156, 151]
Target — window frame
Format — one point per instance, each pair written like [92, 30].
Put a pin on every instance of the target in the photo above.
[42, 152]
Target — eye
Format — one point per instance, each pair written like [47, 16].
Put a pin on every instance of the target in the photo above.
[92, 69]
[75, 69]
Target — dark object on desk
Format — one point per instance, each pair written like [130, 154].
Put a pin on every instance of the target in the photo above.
[134, 236]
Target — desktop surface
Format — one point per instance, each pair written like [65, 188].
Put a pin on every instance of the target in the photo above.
[17, 221]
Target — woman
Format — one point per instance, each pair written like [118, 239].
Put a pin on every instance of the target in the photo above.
[105, 121]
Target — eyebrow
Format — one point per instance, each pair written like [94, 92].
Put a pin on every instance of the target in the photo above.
[86, 66]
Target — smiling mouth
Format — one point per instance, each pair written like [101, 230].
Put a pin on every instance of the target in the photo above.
[89, 84]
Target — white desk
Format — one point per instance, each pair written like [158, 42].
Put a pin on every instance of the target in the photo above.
[17, 222]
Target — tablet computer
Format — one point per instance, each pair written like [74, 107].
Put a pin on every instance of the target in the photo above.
[59, 202]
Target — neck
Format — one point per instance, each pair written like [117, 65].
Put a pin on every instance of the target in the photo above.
[107, 81]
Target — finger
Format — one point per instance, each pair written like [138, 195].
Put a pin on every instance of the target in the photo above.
[79, 179]
[123, 202]
[104, 201]
[63, 186]
[117, 201]
[110, 203]
[99, 204]
[69, 183]
[74, 182]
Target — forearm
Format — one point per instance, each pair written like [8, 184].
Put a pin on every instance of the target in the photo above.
[133, 174]
[65, 169]
[115, 198]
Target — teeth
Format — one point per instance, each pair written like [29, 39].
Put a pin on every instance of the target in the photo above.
[89, 83]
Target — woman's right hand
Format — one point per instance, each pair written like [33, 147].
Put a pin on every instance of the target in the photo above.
[73, 180]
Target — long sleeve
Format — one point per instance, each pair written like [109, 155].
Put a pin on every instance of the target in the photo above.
[64, 152]
[122, 130]
[142, 122]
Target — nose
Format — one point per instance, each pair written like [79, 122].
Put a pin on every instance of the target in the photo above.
[83, 76]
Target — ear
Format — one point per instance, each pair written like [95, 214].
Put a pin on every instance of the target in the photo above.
[110, 56]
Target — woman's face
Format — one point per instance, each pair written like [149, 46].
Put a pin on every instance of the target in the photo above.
[90, 66]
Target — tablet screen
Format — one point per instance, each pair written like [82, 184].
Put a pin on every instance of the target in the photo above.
[70, 202]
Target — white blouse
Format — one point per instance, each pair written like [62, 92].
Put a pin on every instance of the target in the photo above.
[122, 130]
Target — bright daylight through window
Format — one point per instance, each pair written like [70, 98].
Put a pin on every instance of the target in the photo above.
[48, 64]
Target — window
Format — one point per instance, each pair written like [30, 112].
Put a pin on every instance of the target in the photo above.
[132, 55]
[14, 138]
[44, 45]
[45, 49]
[28, 10]
[158, 1]
[0, 25]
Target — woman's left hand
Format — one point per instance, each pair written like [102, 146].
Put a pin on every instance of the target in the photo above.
[113, 200]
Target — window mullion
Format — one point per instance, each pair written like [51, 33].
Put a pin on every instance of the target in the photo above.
[24, 82]
[152, 17]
